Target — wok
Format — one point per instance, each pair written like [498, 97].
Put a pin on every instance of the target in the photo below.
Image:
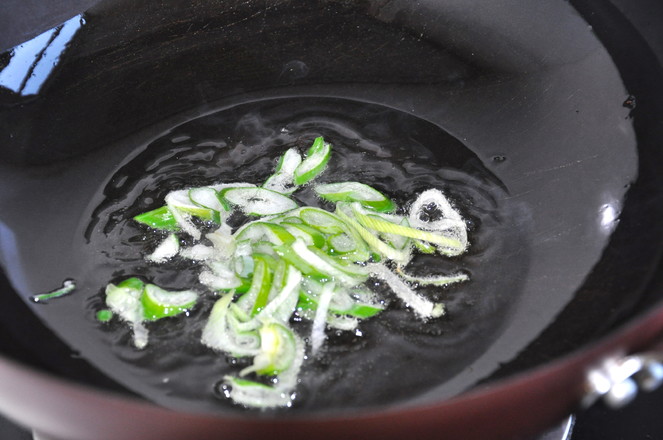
[555, 106]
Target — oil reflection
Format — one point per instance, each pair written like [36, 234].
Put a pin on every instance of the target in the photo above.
[609, 216]
[32, 62]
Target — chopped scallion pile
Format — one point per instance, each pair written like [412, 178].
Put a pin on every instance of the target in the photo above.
[289, 260]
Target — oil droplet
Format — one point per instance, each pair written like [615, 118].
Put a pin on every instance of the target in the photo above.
[295, 69]
[222, 390]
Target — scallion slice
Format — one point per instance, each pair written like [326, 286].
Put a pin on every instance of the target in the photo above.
[278, 349]
[219, 334]
[166, 250]
[423, 307]
[320, 320]
[355, 192]
[258, 201]
[433, 280]
[160, 303]
[282, 181]
[124, 299]
[181, 201]
[314, 164]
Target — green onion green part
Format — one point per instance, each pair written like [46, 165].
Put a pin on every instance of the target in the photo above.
[314, 164]
[104, 315]
[68, 286]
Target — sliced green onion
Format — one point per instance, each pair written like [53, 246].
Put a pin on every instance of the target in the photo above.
[68, 286]
[262, 283]
[184, 222]
[223, 241]
[350, 275]
[160, 218]
[104, 315]
[282, 181]
[423, 307]
[355, 192]
[293, 220]
[218, 187]
[214, 281]
[314, 164]
[331, 224]
[302, 259]
[181, 201]
[160, 303]
[341, 244]
[343, 301]
[322, 220]
[304, 232]
[264, 247]
[320, 320]
[288, 254]
[342, 322]
[423, 247]
[265, 231]
[254, 394]
[124, 299]
[257, 395]
[434, 280]
[287, 296]
[258, 201]
[219, 334]
[453, 246]
[208, 198]
[379, 246]
[166, 250]
[198, 252]
[450, 223]
[278, 350]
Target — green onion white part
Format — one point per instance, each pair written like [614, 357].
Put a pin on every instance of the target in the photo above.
[283, 179]
[181, 201]
[258, 201]
[423, 307]
[208, 198]
[124, 300]
[449, 224]
[198, 252]
[320, 320]
[183, 220]
[219, 332]
[136, 302]
[303, 261]
[166, 250]
[433, 280]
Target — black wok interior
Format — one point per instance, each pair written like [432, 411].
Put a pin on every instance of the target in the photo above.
[569, 101]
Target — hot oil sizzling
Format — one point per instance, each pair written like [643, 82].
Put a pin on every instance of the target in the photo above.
[393, 356]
